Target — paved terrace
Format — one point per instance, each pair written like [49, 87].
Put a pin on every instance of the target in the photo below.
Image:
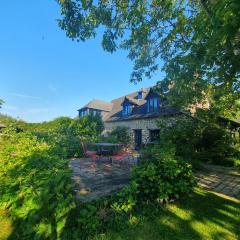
[98, 179]
[102, 178]
[219, 179]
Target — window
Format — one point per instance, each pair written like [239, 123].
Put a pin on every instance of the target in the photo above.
[83, 113]
[127, 110]
[140, 95]
[94, 112]
[152, 105]
[154, 135]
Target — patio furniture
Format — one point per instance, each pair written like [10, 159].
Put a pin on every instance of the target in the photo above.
[91, 154]
[122, 157]
[106, 149]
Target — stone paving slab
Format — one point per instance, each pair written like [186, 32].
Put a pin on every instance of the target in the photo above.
[216, 179]
[98, 179]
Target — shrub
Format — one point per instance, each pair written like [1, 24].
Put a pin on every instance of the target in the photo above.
[218, 147]
[164, 176]
[121, 134]
[65, 134]
[160, 177]
[184, 133]
[35, 186]
[197, 141]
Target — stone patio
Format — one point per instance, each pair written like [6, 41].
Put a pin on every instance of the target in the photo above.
[220, 179]
[102, 178]
[98, 179]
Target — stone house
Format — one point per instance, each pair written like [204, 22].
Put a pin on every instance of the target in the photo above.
[138, 111]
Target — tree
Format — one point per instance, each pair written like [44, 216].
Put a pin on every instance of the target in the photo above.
[121, 134]
[198, 42]
[1, 102]
[87, 127]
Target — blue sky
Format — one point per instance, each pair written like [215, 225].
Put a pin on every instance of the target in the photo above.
[44, 74]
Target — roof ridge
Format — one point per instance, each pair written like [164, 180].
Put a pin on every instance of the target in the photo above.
[95, 99]
[127, 95]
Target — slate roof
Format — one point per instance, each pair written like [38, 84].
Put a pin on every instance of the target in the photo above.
[99, 104]
[115, 108]
[134, 101]
[139, 111]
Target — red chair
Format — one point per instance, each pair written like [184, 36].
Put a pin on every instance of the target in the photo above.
[120, 157]
[89, 154]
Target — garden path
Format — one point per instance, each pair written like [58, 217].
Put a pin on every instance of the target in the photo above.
[220, 179]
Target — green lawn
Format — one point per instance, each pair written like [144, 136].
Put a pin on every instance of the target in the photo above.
[202, 215]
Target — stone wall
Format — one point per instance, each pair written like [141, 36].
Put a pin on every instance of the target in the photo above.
[144, 124]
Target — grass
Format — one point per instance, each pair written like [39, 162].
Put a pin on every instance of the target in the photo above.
[203, 215]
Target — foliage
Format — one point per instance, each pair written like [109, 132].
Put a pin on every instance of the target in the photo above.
[84, 126]
[184, 219]
[89, 219]
[1, 102]
[160, 178]
[197, 41]
[121, 134]
[219, 147]
[6, 225]
[8, 120]
[61, 135]
[201, 215]
[35, 180]
[162, 175]
[196, 140]
[64, 134]
[107, 138]
[35, 186]
[89, 126]
[184, 133]
[36, 189]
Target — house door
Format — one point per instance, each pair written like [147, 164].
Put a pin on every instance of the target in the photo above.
[138, 138]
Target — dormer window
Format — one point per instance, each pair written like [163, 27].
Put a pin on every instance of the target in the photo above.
[152, 105]
[128, 106]
[127, 109]
[139, 95]
[96, 108]
[94, 112]
[83, 113]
